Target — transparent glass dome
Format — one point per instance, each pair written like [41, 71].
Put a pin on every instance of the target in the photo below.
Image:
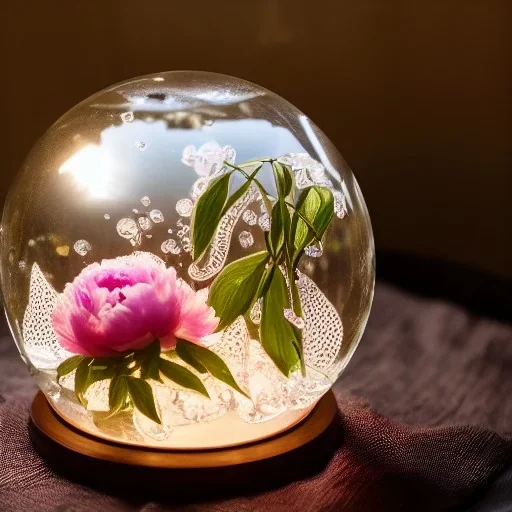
[186, 262]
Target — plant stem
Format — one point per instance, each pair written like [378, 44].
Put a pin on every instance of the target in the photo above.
[287, 251]
[263, 192]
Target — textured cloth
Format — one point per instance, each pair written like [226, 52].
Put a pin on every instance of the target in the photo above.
[426, 417]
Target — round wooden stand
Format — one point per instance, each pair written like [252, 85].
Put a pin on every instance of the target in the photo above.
[297, 453]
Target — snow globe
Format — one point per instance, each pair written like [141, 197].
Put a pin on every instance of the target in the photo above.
[187, 263]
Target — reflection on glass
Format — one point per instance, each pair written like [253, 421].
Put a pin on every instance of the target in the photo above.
[91, 169]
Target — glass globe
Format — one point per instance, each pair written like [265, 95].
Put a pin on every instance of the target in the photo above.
[186, 262]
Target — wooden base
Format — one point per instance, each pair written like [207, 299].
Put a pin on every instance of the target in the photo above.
[297, 453]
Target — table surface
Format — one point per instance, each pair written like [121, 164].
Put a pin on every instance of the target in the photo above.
[424, 365]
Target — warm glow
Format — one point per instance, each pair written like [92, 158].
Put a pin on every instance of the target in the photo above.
[91, 168]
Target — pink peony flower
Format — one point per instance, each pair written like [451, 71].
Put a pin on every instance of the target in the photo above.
[125, 303]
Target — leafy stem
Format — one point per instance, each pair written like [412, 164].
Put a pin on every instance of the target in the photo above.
[268, 276]
[129, 372]
[261, 188]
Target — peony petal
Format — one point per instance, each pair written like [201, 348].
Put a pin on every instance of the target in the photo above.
[197, 319]
[124, 304]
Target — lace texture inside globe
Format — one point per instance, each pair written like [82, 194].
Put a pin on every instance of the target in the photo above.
[270, 391]
[39, 341]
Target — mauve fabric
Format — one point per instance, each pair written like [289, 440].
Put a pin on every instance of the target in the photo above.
[426, 417]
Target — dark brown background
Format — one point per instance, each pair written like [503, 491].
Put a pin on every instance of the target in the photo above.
[415, 94]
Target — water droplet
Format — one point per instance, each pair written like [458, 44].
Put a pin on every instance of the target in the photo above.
[127, 117]
[295, 320]
[156, 216]
[145, 201]
[106, 216]
[32, 243]
[82, 247]
[22, 265]
[314, 251]
[264, 222]
[250, 217]
[141, 145]
[145, 223]
[135, 211]
[170, 247]
[169, 231]
[179, 223]
[246, 239]
[149, 236]
[184, 207]
[127, 228]
[63, 250]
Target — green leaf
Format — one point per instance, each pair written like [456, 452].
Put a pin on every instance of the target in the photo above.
[171, 354]
[235, 197]
[208, 213]
[68, 366]
[284, 179]
[313, 230]
[234, 289]
[277, 334]
[117, 393]
[101, 373]
[265, 281]
[87, 374]
[297, 308]
[280, 230]
[211, 361]
[316, 205]
[264, 196]
[149, 359]
[184, 354]
[142, 397]
[83, 379]
[291, 177]
[182, 376]
[240, 192]
[101, 363]
[276, 230]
